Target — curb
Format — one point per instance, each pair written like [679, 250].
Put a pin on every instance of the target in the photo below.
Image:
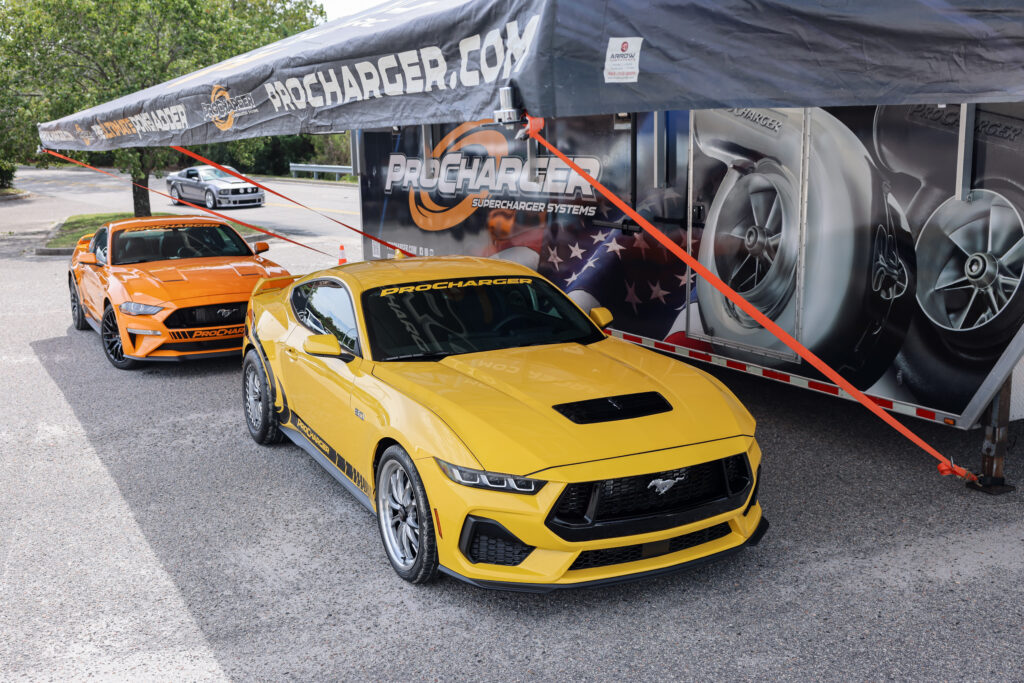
[54, 251]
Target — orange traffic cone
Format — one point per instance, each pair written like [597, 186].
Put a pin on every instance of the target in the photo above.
[341, 255]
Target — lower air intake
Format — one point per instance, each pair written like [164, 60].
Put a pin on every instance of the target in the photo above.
[485, 541]
[589, 559]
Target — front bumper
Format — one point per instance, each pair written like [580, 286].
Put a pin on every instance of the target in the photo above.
[147, 337]
[552, 561]
[254, 199]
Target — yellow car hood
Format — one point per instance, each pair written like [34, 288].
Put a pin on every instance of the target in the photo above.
[500, 402]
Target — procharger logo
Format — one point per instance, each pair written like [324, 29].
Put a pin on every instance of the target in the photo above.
[468, 179]
[223, 108]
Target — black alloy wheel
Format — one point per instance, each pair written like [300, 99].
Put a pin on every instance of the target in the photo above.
[77, 312]
[110, 335]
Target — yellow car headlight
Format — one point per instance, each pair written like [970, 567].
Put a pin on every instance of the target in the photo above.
[492, 481]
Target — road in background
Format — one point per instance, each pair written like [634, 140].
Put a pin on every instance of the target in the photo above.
[62, 192]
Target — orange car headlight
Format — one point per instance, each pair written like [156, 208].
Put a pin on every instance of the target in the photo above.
[134, 308]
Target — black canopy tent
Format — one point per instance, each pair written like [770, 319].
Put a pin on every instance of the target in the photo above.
[409, 62]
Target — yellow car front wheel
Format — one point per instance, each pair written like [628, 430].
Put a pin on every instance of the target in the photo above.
[403, 516]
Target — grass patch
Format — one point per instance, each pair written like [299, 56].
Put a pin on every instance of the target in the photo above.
[84, 223]
[4, 191]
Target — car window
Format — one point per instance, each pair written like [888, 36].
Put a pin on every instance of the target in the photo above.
[429, 320]
[157, 243]
[325, 307]
[99, 246]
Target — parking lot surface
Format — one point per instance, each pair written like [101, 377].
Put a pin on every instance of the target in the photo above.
[143, 534]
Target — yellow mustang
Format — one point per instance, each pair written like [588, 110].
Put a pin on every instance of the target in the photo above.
[494, 429]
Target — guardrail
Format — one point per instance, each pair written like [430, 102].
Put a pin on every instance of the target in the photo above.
[317, 169]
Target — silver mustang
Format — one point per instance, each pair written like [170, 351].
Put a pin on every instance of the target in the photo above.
[212, 187]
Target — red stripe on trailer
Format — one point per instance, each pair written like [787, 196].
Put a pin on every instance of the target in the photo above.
[632, 338]
[821, 386]
[699, 355]
[735, 366]
[926, 414]
[884, 402]
[662, 346]
[680, 339]
[772, 374]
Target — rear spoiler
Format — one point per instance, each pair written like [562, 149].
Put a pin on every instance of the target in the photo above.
[279, 282]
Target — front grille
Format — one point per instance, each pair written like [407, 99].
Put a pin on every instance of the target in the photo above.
[243, 190]
[487, 541]
[650, 502]
[624, 407]
[588, 559]
[216, 315]
[203, 345]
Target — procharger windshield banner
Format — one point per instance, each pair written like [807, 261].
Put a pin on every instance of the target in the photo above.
[411, 62]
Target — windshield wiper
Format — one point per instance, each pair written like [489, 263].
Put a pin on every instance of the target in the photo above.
[418, 356]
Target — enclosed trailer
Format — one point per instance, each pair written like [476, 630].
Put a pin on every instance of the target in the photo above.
[850, 169]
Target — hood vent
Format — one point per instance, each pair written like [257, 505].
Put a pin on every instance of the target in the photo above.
[624, 407]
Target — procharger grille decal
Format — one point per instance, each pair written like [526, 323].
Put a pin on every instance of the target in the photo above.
[898, 407]
[198, 335]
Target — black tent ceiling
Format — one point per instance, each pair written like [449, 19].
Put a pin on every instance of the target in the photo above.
[415, 62]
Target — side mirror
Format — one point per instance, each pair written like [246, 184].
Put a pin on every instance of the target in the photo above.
[325, 345]
[88, 258]
[85, 239]
[260, 247]
[601, 316]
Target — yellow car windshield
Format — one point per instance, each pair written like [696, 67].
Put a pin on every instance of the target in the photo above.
[431, 320]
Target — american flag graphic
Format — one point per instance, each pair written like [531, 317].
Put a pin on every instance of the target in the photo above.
[643, 285]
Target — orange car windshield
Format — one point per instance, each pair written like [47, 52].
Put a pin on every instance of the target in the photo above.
[166, 242]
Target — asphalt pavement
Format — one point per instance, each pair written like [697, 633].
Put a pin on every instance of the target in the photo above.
[144, 535]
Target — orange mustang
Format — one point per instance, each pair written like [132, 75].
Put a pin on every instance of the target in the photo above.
[169, 289]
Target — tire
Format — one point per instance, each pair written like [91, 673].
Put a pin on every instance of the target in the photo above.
[77, 312]
[110, 336]
[175, 196]
[257, 402]
[211, 200]
[401, 498]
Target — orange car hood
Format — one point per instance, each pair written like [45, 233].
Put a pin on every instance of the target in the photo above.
[500, 402]
[188, 278]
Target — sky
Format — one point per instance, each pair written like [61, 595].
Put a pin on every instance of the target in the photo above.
[341, 8]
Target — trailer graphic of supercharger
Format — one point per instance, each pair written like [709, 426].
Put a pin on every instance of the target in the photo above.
[846, 226]
[858, 177]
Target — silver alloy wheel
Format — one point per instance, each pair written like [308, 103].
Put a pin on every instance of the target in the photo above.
[396, 504]
[254, 397]
[211, 200]
[174, 195]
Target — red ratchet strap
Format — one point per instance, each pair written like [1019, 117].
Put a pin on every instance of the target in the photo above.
[194, 206]
[199, 157]
[946, 466]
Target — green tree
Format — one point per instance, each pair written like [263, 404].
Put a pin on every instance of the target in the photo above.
[75, 54]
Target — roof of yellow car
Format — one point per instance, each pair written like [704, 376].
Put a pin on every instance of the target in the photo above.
[424, 268]
[154, 221]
